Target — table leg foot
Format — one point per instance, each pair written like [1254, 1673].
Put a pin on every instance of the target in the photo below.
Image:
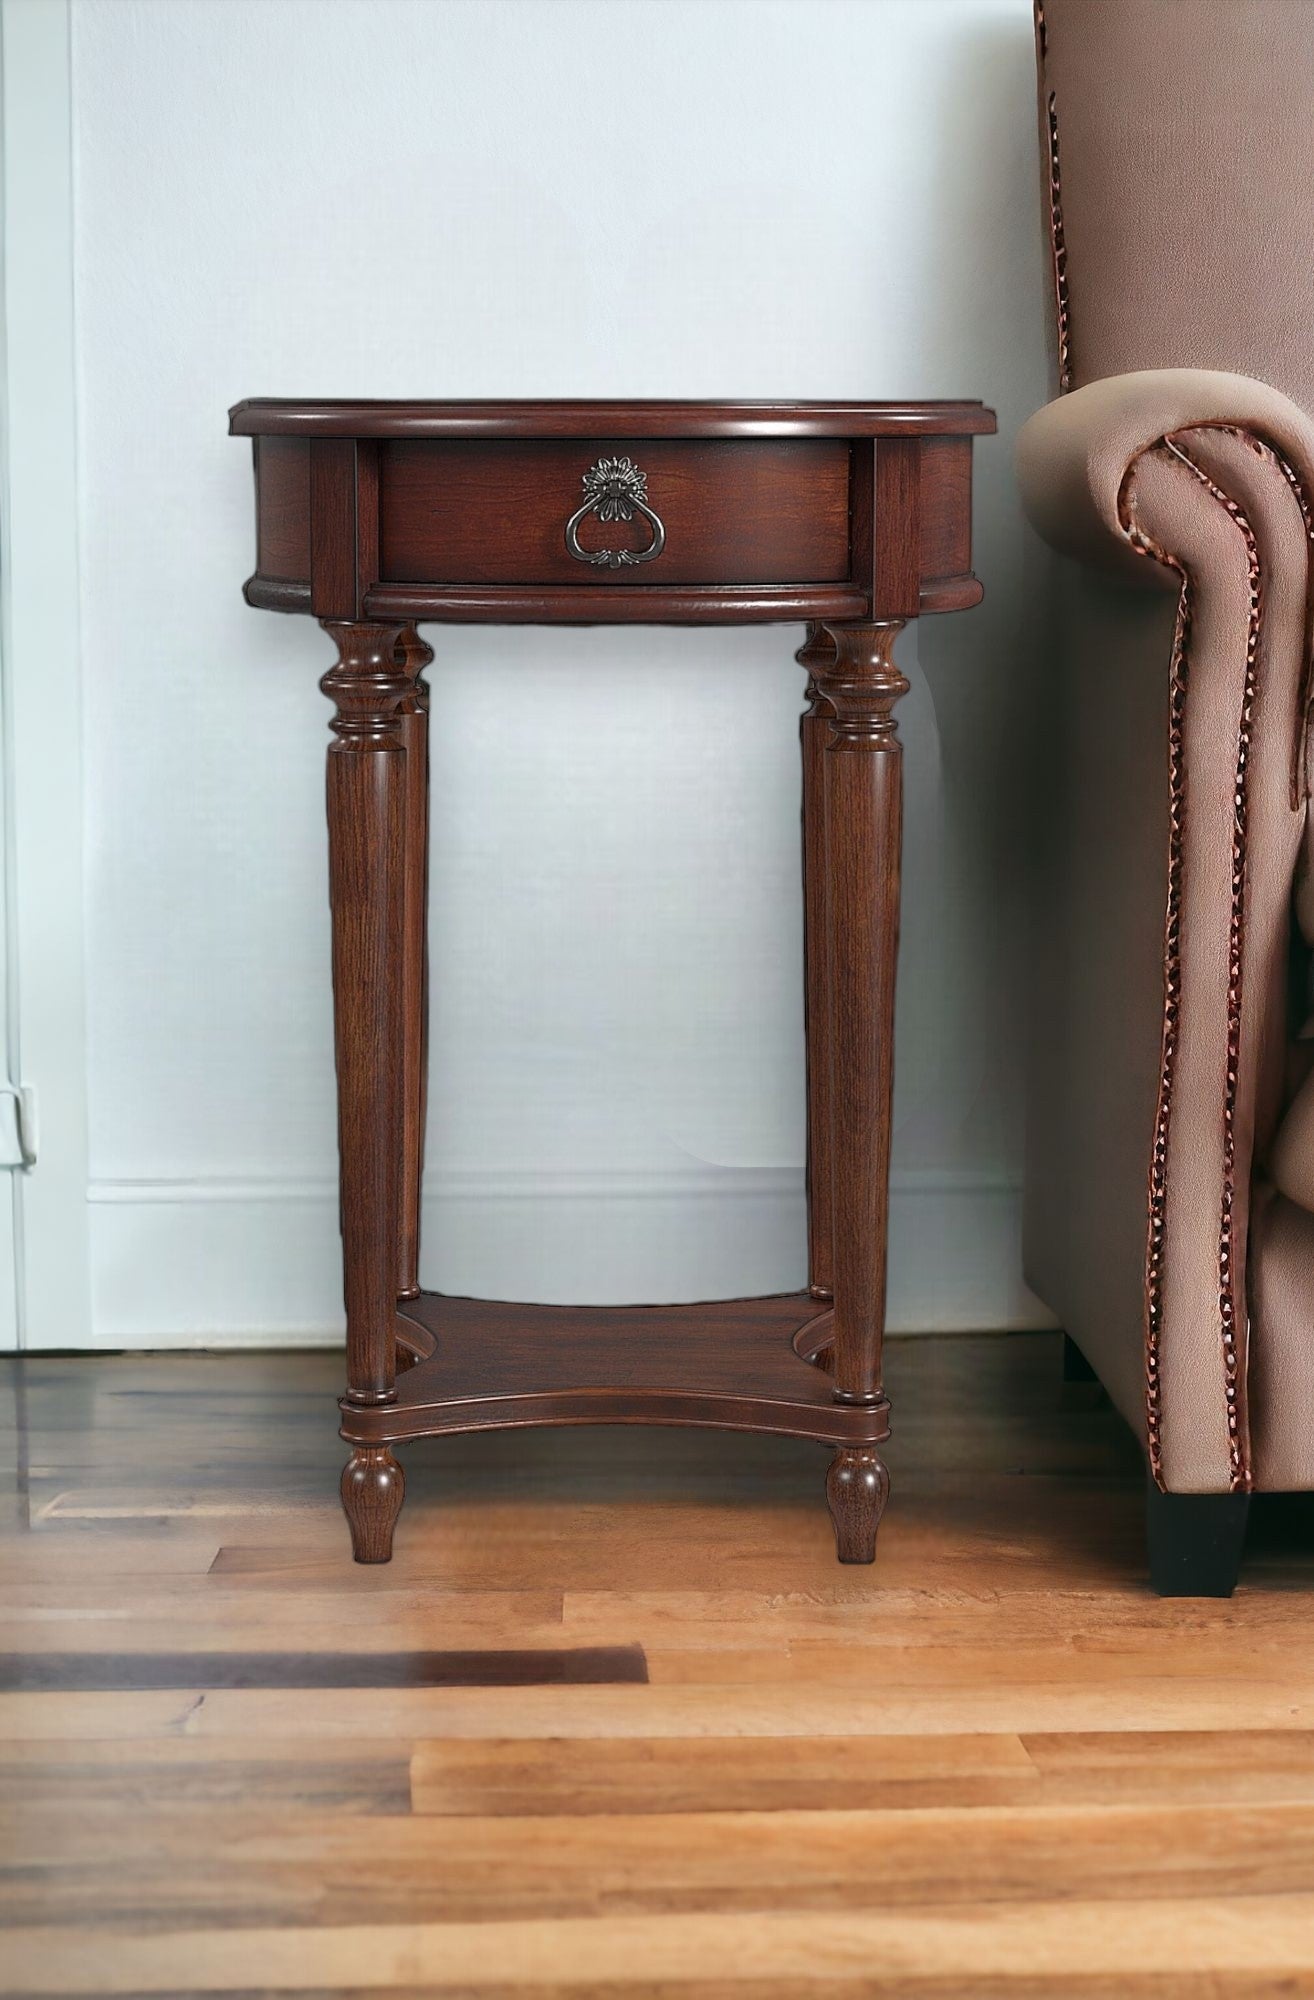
[857, 1487]
[373, 1488]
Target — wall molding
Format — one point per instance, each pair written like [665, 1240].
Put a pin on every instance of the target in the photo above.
[253, 1262]
[39, 567]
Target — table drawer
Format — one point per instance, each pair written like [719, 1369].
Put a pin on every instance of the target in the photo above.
[645, 511]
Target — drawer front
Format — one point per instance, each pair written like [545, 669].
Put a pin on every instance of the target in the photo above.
[720, 512]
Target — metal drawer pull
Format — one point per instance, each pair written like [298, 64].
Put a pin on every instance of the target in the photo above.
[616, 490]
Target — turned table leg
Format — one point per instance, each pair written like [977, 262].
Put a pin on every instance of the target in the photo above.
[857, 1487]
[862, 782]
[367, 799]
[373, 1487]
[814, 730]
[414, 716]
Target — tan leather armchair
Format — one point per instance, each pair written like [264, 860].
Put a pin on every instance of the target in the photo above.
[1170, 1174]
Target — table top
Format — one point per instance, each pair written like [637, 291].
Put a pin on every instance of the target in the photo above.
[272, 416]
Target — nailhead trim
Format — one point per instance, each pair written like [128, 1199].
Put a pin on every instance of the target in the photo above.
[1144, 544]
[1299, 791]
[1179, 674]
[1234, 1383]
[1058, 249]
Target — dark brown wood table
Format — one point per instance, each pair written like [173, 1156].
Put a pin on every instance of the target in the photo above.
[376, 517]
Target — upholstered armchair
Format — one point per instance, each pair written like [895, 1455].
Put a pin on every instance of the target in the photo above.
[1170, 1175]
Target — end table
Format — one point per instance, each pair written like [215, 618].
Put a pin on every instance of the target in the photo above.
[849, 517]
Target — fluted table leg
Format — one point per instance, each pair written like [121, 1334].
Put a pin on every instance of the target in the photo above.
[863, 826]
[367, 797]
[814, 731]
[414, 714]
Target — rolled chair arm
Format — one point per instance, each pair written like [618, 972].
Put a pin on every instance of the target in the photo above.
[1074, 455]
[1204, 482]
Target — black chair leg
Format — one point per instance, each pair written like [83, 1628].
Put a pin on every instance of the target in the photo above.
[1195, 1541]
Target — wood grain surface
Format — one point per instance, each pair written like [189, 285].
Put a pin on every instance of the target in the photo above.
[275, 416]
[735, 511]
[993, 1765]
[733, 1364]
[458, 511]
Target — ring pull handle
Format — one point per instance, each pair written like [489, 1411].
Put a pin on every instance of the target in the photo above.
[615, 490]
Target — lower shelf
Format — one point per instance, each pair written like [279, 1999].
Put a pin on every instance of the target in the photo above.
[731, 1364]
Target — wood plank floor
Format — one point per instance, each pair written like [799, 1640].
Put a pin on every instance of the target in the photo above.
[614, 1722]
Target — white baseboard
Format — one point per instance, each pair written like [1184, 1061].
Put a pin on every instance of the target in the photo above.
[250, 1263]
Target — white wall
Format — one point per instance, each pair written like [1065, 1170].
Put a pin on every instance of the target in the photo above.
[570, 197]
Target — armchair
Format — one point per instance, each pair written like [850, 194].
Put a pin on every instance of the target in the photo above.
[1170, 1171]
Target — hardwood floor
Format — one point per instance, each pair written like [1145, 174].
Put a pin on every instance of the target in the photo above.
[617, 1723]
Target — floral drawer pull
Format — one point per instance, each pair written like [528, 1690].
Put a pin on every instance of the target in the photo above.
[615, 490]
